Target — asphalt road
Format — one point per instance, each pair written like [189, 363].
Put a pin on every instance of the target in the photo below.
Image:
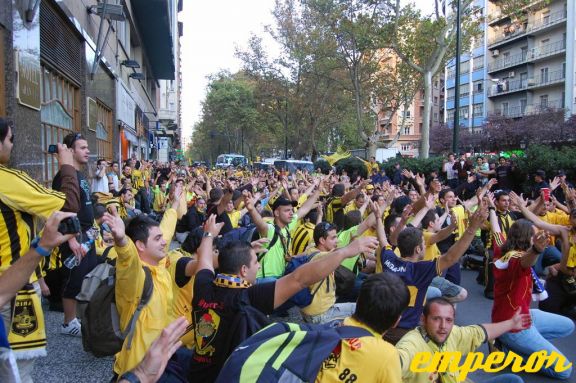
[67, 362]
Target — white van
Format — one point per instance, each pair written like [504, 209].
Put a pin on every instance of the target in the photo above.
[228, 160]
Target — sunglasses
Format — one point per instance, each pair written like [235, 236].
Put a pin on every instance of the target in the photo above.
[326, 226]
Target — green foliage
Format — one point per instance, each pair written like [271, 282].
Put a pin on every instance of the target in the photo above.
[548, 159]
[353, 166]
[323, 165]
[416, 165]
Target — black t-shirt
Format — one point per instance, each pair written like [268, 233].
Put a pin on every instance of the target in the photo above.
[86, 213]
[213, 209]
[214, 310]
[504, 177]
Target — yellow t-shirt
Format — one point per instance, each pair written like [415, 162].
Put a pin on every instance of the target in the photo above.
[234, 218]
[432, 251]
[182, 302]
[462, 339]
[367, 359]
[324, 291]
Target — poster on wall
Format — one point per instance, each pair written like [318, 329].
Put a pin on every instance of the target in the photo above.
[28, 76]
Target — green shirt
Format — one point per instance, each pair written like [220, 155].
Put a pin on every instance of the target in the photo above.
[344, 239]
[273, 263]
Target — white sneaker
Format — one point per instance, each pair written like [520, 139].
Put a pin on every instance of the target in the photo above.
[73, 328]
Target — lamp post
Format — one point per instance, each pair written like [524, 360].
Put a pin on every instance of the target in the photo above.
[457, 83]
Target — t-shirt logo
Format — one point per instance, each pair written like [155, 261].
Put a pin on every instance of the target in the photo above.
[206, 329]
[334, 357]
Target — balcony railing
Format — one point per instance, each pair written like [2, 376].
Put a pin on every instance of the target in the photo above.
[527, 110]
[514, 30]
[511, 86]
[530, 55]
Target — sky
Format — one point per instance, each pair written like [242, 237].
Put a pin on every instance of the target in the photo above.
[212, 31]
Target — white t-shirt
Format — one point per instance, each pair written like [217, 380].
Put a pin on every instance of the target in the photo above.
[450, 172]
[100, 184]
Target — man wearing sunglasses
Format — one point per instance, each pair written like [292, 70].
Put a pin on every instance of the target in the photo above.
[22, 202]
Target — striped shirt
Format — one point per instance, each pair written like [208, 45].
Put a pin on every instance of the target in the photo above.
[22, 202]
[302, 237]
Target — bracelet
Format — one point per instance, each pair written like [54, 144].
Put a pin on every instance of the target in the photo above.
[130, 377]
[491, 208]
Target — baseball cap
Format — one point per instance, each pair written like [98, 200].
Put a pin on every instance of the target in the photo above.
[541, 173]
[369, 187]
[283, 201]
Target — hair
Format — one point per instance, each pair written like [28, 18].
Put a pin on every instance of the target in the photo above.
[439, 301]
[137, 165]
[193, 240]
[519, 236]
[321, 231]
[408, 240]
[443, 193]
[126, 165]
[114, 163]
[398, 205]
[499, 194]
[338, 190]
[292, 188]
[233, 256]
[382, 299]
[5, 126]
[429, 217]
[312, 215]
[390, 221]
[123, 191]
[138, 228]
[71, 138]
[352, 218]
[99, 210]
[501, 157]
[100, 160]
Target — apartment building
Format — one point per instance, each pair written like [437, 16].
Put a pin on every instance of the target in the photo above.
[530, 59]
[523, 64]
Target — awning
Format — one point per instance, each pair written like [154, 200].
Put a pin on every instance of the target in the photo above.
[153, 20]
[131, 137]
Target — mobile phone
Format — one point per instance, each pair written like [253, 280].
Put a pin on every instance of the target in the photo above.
[53, 149]
[70, 225]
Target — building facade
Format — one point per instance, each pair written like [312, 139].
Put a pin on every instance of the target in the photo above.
[523, 64]
[91, 67]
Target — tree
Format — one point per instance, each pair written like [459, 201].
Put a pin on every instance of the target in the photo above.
[425, 41]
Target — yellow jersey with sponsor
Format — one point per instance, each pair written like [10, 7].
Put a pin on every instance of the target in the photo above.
[462, 339]
[367, 359]
[324, 291]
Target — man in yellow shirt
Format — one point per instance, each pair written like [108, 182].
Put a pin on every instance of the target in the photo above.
[382, 299]
[439, 334]
[143, 243]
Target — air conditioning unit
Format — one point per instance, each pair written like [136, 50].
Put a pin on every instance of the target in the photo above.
[531, 82]
[495, 53]
[511, 74]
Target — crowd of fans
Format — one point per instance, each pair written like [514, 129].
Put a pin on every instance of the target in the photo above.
[383, 254]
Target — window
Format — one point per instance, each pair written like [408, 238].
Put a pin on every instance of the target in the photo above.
[543, 75]
[504, 108]
[478, 63]
[435, 100]
[123, 31]
[524, 51]
[478, 110]
[104, 130]
[420, 126]
[407, 130]
[544, 101]
[465, 67]
[405, 147]
[546, 18]
[478, 86]
[406, 113]
[464, 113]
[59, 115]
[435, 117]
[523, 104]
[464, 90]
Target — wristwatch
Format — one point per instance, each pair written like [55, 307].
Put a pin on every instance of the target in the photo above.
[207, 234]
[129, 376]
[40, 250]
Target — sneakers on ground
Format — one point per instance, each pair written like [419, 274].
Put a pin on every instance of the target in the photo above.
[73, 328]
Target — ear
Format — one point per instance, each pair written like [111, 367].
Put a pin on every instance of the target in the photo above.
[140, 246]
[243, 271]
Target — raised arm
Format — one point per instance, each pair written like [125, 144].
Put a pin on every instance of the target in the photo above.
[309, 204]
[313, 272]
[211, 231]
[257, 219]
[528, 214]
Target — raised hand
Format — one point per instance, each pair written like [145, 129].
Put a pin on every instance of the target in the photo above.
[540, 240]
[478, 218]
[364, 245]
[406, 213]
[212, 227]
[117, 227]
[520, 321]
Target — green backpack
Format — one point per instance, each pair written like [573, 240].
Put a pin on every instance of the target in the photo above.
[285, 352]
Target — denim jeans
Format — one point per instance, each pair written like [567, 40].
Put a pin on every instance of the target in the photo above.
[550, 256]
[505, 378]
[545, 326]
[339, 311]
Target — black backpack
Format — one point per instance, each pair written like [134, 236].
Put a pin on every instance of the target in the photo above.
[101, 332]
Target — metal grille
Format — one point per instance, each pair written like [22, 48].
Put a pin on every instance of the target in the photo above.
[59, 45]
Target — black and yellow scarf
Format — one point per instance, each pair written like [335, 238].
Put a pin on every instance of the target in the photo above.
[231, 281]
[27, 334]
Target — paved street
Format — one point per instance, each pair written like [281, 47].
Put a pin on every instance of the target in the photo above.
[67, 362]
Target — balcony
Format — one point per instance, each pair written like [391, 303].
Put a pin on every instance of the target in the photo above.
[496, 16]
[533, 54]
[512, 86]
[527, 110]
[547, 79]
[514, 31]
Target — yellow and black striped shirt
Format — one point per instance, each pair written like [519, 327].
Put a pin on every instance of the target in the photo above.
[303, 235]
[22, 202]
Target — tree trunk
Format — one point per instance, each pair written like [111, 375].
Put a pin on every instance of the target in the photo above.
[425, 133]
[371, 147]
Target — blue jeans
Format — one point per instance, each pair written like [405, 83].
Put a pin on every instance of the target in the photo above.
[505, 378]
[545, 326]
[550, 256]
